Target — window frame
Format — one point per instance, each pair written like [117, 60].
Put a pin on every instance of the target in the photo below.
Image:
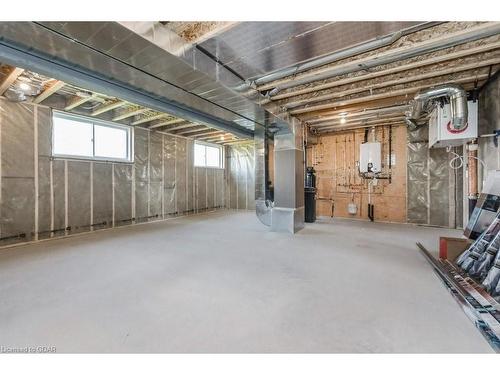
[214, 145]
[94, 121]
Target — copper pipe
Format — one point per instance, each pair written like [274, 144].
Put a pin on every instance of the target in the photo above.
[472, 170]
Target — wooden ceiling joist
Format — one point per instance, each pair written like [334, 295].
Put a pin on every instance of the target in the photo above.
[397, 81]
[77, 101]
[193, 131]
[357, 120]
[358, 114]
[423, 46]
[360, 122]
[183, 126]
[395, 93]
[149, 118]
[384, 72]
[167, 123]
[368, 105]
[51, 88]
[108, 107]
[10, 78]
[235, 142]
[353, 127]
[212, 135]
[133, 112]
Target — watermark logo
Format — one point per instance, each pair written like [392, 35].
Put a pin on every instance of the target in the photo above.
[27, 349]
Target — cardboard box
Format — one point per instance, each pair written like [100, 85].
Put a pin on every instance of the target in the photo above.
[451, 247]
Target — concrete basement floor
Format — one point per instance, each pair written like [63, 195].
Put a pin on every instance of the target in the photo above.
[220, 282]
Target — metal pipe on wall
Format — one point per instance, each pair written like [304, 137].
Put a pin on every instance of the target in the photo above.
[472, 172]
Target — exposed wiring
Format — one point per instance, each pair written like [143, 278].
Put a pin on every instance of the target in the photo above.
[461, 161]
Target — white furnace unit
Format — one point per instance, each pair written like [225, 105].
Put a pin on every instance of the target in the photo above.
[442, 133]
[370, 157]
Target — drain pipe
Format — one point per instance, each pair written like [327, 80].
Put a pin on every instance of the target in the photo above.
[458, 105]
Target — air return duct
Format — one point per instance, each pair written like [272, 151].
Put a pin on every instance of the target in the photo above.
[458, 104]
[263, 202]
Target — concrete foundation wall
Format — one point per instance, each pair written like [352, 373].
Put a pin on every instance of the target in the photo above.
[43, 197]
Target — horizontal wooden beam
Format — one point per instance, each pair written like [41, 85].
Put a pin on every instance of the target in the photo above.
[190, 132]
[76, 101]
[212, 135]
[233, 143]
[149, 118]
[348, 115]
[394, 93]
[361, 122]
[384, 72]
[130, 113]
[51, 88]
[354, 127]
[10, 78]
[167, 123]
[108, 107]
[183, 126]
[399, 81]
[442, 41]
[355, 120]
[371, 105]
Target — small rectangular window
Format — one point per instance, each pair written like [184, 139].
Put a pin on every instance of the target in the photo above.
[88, 138]
[206, 155]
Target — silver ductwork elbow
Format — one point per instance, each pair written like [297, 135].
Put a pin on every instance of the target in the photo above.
[458, 104]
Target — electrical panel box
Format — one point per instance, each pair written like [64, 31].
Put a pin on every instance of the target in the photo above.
[370, 157]
[442, 134]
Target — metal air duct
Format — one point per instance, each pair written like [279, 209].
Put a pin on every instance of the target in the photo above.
[458, 104]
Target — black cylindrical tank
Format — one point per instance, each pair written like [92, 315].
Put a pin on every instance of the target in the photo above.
[310, 196]
[310, 177]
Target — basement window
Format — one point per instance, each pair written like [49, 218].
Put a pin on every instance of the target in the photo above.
[207, 155]
[88, 138]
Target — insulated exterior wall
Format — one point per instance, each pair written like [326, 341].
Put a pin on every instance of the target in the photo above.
[44, 123]
[435, 190]
[489, 121]
[102, 194]
[141, 163]
[82, 195]
[18, 172]
[240, 180]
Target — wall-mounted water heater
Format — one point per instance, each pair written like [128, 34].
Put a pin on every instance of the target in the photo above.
[442, 133]
[370, 157]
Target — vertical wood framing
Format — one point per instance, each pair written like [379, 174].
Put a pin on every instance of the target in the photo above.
[132, 207]
[113, 194]
[35, 163]
[149, 175]
[66, 221]
[51, 177]
[163, 176]
[91, 195]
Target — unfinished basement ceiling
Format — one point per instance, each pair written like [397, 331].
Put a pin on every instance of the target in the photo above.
[338, 90]
[109, 57]
[256, 48]
[57, 94]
